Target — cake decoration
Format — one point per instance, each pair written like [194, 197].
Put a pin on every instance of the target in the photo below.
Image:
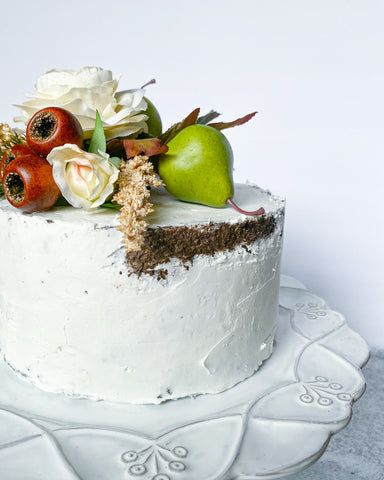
[9, 138]
[90, 146]
[83, 92]
[53, 127]
[28, 183]
[136, 175]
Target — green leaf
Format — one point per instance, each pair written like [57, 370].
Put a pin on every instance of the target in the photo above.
[110, 205]
[62, 202]
[1, 192]
[98, 141]
[116, 161]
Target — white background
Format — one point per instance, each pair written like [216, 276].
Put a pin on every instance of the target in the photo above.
[312, 69]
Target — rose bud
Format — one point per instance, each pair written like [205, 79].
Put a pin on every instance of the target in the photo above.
[19, 150]
[52, 127]
[86, 180]
[29, 185]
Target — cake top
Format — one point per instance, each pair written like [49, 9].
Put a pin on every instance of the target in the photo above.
[167, 211]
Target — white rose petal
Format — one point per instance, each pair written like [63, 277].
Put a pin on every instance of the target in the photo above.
[86, 180]
[85, 91]
[79, 178]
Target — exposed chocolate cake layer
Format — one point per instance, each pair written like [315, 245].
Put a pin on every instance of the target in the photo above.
[184, 243]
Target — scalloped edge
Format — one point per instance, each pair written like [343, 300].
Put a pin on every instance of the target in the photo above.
[357, 364]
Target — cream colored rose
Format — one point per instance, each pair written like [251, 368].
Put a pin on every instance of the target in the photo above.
[85, 91]
[86, 180]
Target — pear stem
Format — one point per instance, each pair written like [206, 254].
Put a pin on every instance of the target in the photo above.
[149, 83]
[260, 211]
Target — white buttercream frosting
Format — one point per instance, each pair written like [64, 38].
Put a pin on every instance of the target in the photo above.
[73, 320]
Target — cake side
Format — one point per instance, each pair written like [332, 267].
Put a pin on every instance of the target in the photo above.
[204, 326]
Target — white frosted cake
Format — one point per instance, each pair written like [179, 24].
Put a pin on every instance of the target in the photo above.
[193, 312]
[132, 269]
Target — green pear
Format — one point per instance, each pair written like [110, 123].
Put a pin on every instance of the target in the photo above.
[198, 166]
[155, 126]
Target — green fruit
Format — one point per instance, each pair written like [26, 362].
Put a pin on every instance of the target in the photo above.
[198, 166]
[155, 126]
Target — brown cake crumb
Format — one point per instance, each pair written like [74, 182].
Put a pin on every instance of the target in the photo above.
[162, 244]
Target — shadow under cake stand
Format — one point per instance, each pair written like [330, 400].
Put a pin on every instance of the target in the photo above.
[276, 423]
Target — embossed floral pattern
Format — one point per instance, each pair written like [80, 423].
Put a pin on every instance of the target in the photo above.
[324, 392]
[156, 460]
[311, 310]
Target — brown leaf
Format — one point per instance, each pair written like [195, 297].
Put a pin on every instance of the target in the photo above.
[191, 119]
[126, 148]
[234, 123]
[146, 146]
[115, 148]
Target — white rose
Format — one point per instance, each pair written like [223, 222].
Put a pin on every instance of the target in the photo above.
[85, 91]
[86, 180]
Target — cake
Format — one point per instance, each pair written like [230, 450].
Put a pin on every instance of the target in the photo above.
[94, 304]
[193, 312]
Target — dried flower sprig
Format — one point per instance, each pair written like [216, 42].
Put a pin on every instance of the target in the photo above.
[135, 176]
[9, 137]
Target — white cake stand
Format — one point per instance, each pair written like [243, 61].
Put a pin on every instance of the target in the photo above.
[274, 424]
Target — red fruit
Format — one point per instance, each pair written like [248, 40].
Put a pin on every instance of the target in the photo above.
[52, 127]
[29, 185]
[19, 150]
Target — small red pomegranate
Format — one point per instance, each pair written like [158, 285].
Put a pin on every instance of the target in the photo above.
[19, 150]
[29, 185]
[52, 127]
